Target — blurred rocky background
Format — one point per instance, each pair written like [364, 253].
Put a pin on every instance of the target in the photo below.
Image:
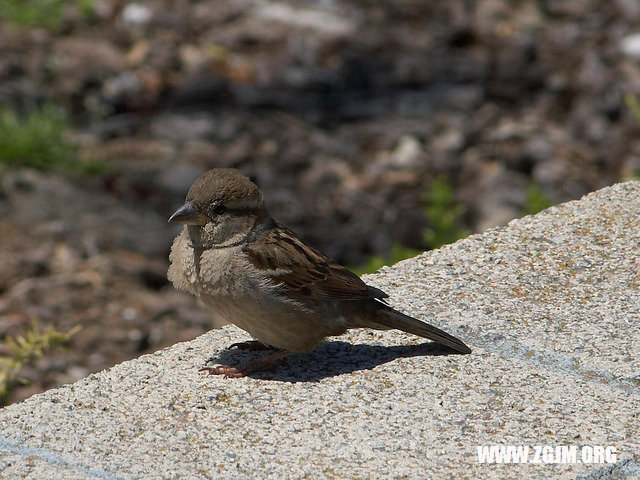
[345, 113]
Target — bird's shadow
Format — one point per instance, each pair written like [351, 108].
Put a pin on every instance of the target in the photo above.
[328, 360]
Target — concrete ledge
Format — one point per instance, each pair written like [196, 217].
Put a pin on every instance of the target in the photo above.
[550, 304]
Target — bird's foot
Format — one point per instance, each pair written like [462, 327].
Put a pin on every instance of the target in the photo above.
[252, 345]
[226, 370]
[232, 372]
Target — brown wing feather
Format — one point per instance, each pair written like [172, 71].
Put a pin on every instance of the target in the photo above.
[304, 270]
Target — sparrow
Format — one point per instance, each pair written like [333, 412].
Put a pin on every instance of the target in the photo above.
[254, 272]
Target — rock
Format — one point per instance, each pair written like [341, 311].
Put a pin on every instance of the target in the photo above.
[178, 179]
[322, 21]
[630, 45]
[136, 14]
[180, 127]
[407, 153]
[629, 8]
[78, 59]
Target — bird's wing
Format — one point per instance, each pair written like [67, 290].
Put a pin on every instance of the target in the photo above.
[304, 271]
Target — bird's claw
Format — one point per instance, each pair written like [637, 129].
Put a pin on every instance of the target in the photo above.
[251, 345]
[226, 370]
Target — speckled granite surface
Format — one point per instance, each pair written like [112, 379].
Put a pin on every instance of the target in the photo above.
[550, 304]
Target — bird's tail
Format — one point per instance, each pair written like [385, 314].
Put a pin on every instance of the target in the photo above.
[390, 318]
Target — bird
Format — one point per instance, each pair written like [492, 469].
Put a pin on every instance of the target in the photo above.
[254, 272]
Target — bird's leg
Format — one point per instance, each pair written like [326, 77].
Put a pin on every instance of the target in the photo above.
[232, 372]
[252, 345]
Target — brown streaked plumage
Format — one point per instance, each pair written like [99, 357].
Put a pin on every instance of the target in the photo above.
[253, 272]
[308, 272]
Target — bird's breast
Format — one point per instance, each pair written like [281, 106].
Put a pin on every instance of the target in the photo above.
[202, 271]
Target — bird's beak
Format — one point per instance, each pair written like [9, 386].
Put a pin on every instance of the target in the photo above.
[187, 214]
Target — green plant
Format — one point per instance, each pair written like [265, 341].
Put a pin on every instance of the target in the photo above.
[39, 139]
[33, 13]
[536, 200]
[633, 104]
[21, 350]
[87, 8]
[45, 14]
[443, 214]
[445, 226]
[635, 175]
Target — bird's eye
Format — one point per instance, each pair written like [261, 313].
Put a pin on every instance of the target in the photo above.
[218, 209]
